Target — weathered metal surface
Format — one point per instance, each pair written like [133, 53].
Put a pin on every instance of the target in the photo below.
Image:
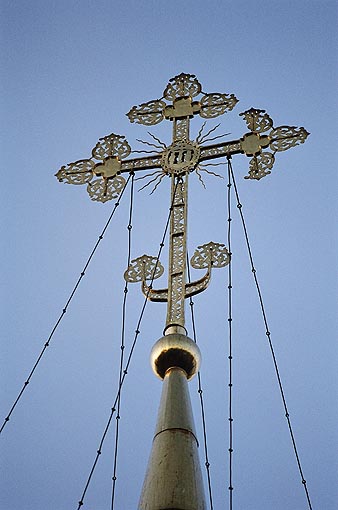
[175, 349]
[182, 91]
[174, 479]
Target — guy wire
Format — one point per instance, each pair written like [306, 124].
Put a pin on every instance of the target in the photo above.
[64, 310]
[268, 334]
[125, 371]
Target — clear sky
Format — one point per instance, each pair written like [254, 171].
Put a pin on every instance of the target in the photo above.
[70, 71]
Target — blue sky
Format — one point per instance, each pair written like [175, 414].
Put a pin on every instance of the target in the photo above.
[71, 71]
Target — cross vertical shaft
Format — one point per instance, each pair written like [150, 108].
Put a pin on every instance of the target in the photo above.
[178, 235]
[173, 480]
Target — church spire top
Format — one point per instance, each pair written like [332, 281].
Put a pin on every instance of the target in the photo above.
[174, 479]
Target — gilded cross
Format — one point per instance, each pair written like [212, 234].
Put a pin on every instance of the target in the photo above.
[102, 173]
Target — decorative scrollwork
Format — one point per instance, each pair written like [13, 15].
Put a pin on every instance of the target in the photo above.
[182, 129]
[143, 268]
[258, 121]
[210, 255]
[141, 163]
[111, 146]
[181, 86]
[80, 172]
[218, 150]
[180, 157]
[285, 137]
[260, 166]
[147, 113]
[102, 190]
[213, 105]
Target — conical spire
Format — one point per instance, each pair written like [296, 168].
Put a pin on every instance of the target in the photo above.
[174, 480]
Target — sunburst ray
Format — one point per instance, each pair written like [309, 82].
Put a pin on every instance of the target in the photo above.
[162, 144]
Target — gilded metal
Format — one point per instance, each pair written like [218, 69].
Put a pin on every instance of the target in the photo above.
[174, 478]
[260, 166]
[109, 151]
[181, 90]
[182, 85]
[285, 137]
[182, 99]
[175, 350]
[253, 143]
[258, 121]
[180, 157]
[278, 139]
[210, 255]
[111, 146]
[80, 172]
[213, 105]
[102, 190]
[143, 268]
[191, 289]
[148, 113]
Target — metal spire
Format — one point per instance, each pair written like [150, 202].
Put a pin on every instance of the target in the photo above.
[173, 479]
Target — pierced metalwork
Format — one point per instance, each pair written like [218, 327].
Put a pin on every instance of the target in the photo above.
[260, 166]
[181, 90]
[180, 157]
[285, 137]
[258, 121]
[111, 146]
[109, 150]
[183, 98]
[143, 268]
[182, 85]
[213, 105]
[210, 255]
[80, 172]
[147, 113]
[278, 139]
[102, 190]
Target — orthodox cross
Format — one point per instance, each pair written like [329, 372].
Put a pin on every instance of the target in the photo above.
[102, 173]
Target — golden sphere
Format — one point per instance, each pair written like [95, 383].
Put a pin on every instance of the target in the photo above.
[175, 350]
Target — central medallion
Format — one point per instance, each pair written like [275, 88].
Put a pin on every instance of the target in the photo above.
[180, 157]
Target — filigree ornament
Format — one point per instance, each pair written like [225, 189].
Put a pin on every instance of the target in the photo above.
[111, 146]
[181, 90]
[258, 121]
[147, 113]
[278, 139]
[109, 150]
[143, 268]
[102, 190]
[182, 107]
[80, 172]
[180, 157]
[260, 166]
[285, 137]
[210, 255]
[213, 105]
[181, 86]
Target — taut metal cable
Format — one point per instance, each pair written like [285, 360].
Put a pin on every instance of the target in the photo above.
[131, 351]
[200, 392]
[124, 305]
[230, 357]
[268, 334]
[64, 310]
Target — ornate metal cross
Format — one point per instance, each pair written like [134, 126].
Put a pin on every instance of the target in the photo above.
[178, 160]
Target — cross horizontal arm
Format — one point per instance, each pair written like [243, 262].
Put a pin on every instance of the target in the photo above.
[219, 150]
[145, 163]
